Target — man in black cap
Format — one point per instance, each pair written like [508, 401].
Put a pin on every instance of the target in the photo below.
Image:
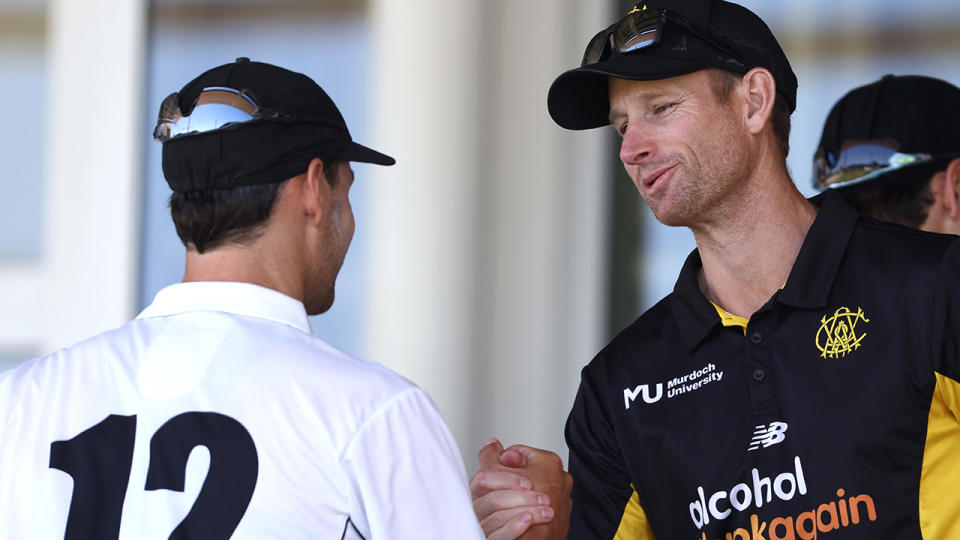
[892, 150]
[98, 440]
[783, 389]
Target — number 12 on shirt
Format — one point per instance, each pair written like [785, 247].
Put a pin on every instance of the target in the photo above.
[100, 459]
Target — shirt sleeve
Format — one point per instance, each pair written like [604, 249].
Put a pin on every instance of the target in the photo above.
[601, 485]
[946, 327]
[407, 475]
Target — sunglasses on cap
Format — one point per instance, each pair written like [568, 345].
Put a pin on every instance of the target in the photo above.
[217, 107]
[858, 163]
[643, 28]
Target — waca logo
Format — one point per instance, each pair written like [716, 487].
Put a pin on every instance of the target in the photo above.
[837, 335]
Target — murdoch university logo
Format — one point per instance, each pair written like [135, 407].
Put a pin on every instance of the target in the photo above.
[676, 386]
[838, 336]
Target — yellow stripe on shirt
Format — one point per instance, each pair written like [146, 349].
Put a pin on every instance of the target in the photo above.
[940, 475]
[634, 524]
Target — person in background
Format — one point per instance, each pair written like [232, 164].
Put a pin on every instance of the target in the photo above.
[892, 150]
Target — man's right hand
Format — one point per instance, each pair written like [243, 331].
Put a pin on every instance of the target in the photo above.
[513, 489]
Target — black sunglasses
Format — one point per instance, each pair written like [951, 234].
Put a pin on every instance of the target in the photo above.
[642, 28]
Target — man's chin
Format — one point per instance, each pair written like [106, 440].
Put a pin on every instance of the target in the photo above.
[673, 221]
[318, 306]
[671, 217]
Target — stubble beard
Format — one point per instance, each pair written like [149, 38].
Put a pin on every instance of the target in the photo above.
[322, 300]
[699, 193]
[323, 293]
[681, 201]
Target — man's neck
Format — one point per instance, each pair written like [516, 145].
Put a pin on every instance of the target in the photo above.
[748, 255]
[242, 264]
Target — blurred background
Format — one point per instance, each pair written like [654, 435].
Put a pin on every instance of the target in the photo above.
[489, 265]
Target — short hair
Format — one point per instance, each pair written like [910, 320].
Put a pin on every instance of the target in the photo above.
[722, 83]
[209, 219]
[903, 197]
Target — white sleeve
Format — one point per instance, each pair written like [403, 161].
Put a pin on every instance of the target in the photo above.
[407, 476]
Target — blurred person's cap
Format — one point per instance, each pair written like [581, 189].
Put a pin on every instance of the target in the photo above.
[898, 123]
[659, 39]
[248, 123]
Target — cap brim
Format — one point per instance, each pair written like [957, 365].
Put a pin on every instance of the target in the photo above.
[360, 153]
[578, 98]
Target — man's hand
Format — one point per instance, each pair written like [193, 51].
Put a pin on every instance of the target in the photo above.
[513, 489]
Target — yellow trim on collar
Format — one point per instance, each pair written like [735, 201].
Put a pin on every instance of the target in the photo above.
[729, 319]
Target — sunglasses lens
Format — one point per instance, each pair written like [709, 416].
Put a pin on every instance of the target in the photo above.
[169, 116]
[215, 108]
[594, 50]
[637, 32]
[861, 162]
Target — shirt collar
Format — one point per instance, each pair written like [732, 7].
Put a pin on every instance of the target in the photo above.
[245, 299]
[810, 280]
[695, 315]
[816, 267]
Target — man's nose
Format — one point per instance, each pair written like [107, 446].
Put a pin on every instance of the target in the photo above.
[637, 145]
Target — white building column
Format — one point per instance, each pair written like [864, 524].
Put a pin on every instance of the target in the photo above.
[95, 137]
[488, 242]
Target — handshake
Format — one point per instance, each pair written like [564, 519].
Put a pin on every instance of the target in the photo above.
[521, 492]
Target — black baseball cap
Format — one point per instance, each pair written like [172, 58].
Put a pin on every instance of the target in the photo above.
[693, 35]
[247, 123]
[886, 129]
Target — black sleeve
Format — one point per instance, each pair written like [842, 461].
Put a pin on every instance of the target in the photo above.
[601, 485]
[946, 318]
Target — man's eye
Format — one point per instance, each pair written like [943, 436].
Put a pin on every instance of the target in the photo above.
[664, 108]
[621, 129]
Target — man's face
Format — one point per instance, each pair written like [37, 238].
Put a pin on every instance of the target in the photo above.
[685, 151]
[339, 228]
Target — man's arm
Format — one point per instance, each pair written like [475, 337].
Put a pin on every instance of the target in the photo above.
[504, 498]
[407, 477]
[946, 338]
[606, 505]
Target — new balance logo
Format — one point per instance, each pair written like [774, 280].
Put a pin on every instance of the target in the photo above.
[768, 435]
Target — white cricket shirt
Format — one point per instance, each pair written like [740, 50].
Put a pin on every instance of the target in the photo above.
[217, 414]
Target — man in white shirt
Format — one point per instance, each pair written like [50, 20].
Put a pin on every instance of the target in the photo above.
[216, 413]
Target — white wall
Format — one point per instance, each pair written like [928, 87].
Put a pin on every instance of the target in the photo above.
[488, 237]
[82, 280]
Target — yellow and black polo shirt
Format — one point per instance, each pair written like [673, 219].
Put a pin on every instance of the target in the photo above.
[834, 415]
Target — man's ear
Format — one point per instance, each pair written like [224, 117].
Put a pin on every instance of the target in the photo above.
[761, 93]
[951, 186]
[316, 191]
